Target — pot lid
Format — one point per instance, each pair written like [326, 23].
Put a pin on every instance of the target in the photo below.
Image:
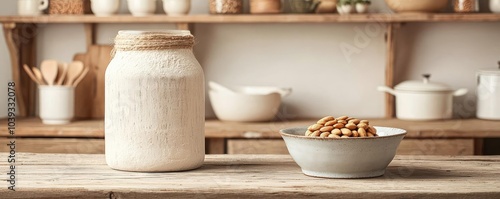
[490, 71]
[424, 85]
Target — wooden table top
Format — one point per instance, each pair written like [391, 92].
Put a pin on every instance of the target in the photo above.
[254, 176]
[467, 128]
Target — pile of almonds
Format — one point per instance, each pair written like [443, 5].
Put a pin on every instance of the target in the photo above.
[341, 127]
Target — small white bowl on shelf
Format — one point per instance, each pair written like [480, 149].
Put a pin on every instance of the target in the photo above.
[247, 103]
[343, 157]
[177, 7]
[140, 8]
[104, 7]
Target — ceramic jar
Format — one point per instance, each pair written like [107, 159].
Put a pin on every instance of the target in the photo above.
[226, 6]
[155, 103]
[488, 94]
[176, 7]
[466, 6]
[495, 6]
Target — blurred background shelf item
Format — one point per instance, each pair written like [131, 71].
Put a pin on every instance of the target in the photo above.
[226, 6]
[265, 6]
[327, 6]
[420, 6]
[69, 7]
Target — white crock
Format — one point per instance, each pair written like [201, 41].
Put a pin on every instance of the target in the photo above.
[423, 100]
[155, 103]
[488, 94]
[495, 6]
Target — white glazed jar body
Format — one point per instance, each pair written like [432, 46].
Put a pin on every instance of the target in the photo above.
[488, 96]
[154, 106]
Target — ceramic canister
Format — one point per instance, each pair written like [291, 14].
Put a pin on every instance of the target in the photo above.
[155, 103]
[488, 94]
[176, 7]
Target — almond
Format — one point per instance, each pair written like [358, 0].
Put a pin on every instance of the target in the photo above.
[338, 126]
[314, 127]
[336, 132]
[351, 126]
[324, 135]
[355, 133]
[362, 132]
[325, 119]
[315, 134]
[342, 118]
[331, 122]
[326, 129]
[346, 131]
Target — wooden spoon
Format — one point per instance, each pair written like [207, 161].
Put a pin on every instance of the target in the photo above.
[32, 76]
[49, 71]
[80, 78]
[74, 71]
[63, 70]
[39, 76]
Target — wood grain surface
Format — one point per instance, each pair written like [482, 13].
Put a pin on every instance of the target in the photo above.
[252, 176]
[469, 128]
[56, 145]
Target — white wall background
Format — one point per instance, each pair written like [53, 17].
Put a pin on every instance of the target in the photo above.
[308, 58]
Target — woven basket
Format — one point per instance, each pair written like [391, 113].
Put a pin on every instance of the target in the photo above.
[69, 7]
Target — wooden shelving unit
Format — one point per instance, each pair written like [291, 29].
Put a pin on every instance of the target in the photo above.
[453, 137]
[22, 51]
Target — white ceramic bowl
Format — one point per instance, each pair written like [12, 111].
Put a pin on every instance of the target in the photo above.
[245, 107]
[105, 7]
[140, 8]
[343, 157]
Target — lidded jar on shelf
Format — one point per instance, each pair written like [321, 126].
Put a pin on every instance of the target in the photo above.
[154, 103]
[466, 6]
[226, 6]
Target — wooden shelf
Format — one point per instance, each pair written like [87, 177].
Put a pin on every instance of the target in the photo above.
[470, 128]
[247, 18]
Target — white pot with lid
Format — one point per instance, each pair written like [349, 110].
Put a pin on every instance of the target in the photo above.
[423, 100]
[488, 94]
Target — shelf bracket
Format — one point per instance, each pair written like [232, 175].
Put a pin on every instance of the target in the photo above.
[90, 34]
[389, 67]
[20, 40]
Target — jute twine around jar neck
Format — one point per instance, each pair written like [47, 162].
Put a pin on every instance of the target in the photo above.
[126, 41]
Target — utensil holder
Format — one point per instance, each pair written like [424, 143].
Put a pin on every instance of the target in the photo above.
[57, 104]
